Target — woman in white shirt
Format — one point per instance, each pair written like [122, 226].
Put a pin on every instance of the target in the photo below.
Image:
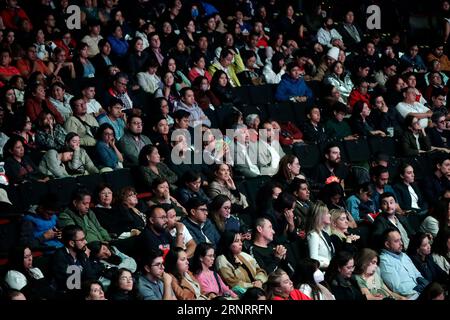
[148, 80]
[319, 243]
[275, 68]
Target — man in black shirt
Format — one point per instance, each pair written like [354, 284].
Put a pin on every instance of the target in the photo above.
[155, 235]
[332, 166]
[268, 256]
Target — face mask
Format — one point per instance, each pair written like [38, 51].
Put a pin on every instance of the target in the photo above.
[204, 87]
[318, 276]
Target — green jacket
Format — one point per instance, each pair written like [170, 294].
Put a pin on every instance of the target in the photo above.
[233, 69]
[147, 176]
[91, 227]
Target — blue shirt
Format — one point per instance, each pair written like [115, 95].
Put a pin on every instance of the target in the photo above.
[118, 125]
[399, 272]
[150, 290]
[106, 156]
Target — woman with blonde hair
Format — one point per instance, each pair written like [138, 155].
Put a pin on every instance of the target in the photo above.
[367, 275]
[341, 238]
[320, 245]
[280, 287]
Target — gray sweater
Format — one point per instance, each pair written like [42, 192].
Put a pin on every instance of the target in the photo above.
[52, 166]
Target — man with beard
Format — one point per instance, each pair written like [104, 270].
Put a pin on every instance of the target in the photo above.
[133, 141]
[72, 258]
[332, 166]
[155, 235]
[397, 269]
[389, 219]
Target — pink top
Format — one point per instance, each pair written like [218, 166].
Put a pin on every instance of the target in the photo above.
[208, 283]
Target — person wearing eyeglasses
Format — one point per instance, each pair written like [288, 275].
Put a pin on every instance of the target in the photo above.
[199, 225]
[339, 277]
[108, 155]
[438, 133]
[203, 269]
[155, 235]
[414, 140]
[132, 141]
[154, 283]
[73, 257]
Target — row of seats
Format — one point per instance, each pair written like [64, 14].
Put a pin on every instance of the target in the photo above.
[262, 94]
[29, 193]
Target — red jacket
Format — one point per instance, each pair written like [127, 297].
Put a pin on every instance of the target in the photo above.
[356, 96]
[288, 133]
[294, 295]
[12, 16]
[33, 108]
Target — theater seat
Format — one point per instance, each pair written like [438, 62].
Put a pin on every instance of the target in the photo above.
[90, 182]
[263, 94]
[30, 193]
[307, 154]
[64, 188]
[357, 150]
[119, 179]
[385, 145]
[281, 112]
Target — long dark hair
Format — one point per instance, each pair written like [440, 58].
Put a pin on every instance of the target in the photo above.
[146, 151]
[214, 207]
[416, 242]
[226, 241]
[170, 262]
[215, 80]
[440, 243]
[200, 252]
[114, 288]
[264, 199]
[338, 261]
[15, 261]
[304, 274]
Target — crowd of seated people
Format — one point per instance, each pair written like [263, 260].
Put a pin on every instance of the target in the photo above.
[214, 111]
